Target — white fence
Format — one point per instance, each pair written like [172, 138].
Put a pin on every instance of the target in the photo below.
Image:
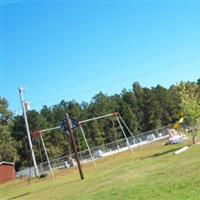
[99, 152]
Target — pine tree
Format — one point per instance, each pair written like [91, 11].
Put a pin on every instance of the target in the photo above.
[7, 143]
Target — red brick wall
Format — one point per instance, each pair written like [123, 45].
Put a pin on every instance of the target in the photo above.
[7, 173]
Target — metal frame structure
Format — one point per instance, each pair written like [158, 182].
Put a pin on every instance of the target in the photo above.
[118, 117]
[120, 121]
[38, 134]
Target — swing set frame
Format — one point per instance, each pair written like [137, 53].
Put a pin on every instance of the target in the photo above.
[39, 134]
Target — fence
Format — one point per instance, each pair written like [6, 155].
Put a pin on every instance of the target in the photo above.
[104, 150]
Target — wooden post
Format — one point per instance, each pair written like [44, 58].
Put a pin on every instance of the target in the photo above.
[69, 125]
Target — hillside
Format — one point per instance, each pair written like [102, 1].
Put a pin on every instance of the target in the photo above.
[150, 173]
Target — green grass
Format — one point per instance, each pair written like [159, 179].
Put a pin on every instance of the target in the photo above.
[150, 173]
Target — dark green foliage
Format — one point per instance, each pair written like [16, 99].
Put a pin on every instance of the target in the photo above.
[7, 143]
[141, 108]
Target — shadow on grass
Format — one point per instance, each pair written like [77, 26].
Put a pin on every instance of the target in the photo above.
[41, 190]
[19, 196]
[162, 153]
[55, 186]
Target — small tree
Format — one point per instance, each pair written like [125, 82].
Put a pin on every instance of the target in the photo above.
[190, 105]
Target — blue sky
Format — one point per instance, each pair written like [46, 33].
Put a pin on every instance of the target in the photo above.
[74, 49]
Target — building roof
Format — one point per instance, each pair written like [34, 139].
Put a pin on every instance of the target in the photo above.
[6, 163]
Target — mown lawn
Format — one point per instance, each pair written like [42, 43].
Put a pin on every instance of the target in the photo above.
[150, 173]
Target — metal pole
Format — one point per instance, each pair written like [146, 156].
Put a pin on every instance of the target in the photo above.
[45, 150]
[87, 145]
[21, 90]
[69, 125]
[124, 133]
[50, 129]
[94, 118]
[115, 133]
[127, 127]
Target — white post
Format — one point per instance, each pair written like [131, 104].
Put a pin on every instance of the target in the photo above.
[124, 133]
[127, 127]
[87, 145]
[135, 141]
[21, 90]
[50, 129]
[45, 150]
[95, 118]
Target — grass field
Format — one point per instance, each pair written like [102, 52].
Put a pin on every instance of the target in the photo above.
[150, 173]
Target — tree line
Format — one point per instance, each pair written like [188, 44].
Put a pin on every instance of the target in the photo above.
[142, 109]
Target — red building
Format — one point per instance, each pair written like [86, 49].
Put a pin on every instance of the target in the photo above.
[7, 172]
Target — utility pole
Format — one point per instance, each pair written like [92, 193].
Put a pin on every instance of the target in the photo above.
[21, 91]
[69, 125]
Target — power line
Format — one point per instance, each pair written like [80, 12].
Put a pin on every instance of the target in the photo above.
[119, 81]
[119, 49]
